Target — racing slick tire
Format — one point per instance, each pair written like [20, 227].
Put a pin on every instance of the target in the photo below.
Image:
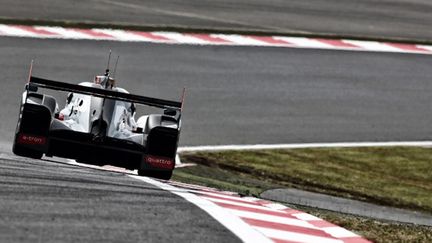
[164, 175]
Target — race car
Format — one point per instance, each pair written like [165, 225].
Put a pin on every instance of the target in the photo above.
[97, 126]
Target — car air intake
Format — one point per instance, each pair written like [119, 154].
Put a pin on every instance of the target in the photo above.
[162, 141]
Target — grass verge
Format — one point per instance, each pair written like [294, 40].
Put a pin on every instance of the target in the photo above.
[375, 230]
[396, 176]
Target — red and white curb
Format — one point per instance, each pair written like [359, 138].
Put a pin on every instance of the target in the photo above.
[273, 222]
[49, 32]
[251, 219]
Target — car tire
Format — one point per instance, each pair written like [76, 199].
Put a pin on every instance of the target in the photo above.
[164, 175]
[26, 152]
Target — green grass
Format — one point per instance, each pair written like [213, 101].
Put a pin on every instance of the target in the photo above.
[396, 176]
[375, 230]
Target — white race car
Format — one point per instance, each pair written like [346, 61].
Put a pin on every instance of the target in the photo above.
[97, 126]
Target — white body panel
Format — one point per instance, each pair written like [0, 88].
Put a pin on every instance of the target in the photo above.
[82, 110]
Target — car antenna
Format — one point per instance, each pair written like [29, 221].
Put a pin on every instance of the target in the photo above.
[115, 67]
[30, 71]
[28, 80]
[109, 59]
[183, 98]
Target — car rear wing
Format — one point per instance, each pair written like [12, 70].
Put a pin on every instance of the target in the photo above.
[35, 82]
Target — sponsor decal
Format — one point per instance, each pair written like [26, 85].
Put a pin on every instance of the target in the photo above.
[31, 139]
[59, 116]
[159, 162]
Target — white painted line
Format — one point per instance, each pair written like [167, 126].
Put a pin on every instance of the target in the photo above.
[241, 40]
[192, 187]
[339, 232]
[122, 35]
[425, 47]
[16, 31]
[276, 206]
[305, 216]
[244, 205]
[218, 194]
[302, 145]
[104, 168]
[304, 42]
[252, 199]
[65, 33]
[234, 224]
[296, 237]
[374, 46]
[177, 160]
[183, 165]
[181, 38]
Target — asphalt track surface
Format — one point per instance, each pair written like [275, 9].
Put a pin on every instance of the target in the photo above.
[236, 95]
[48, 201]
[245, 95]
[375, 18]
